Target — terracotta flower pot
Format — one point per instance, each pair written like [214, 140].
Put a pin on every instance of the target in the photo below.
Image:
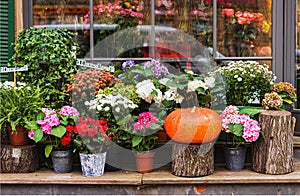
[144, 162]
[161, 136]
[18, 137]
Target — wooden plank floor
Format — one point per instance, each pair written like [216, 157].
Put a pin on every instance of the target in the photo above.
[159, 176]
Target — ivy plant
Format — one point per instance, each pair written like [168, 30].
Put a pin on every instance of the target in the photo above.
[50, 55]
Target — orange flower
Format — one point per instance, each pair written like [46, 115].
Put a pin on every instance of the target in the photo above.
[228, 12]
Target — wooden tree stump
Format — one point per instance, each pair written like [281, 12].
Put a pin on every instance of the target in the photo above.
[19, 159]
[193, 160]
[273, 153]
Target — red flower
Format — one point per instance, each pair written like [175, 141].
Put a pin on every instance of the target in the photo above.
[66, 140]
[70, 128]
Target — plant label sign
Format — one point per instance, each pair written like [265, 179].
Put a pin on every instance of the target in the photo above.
[83, 63]
[13, 69]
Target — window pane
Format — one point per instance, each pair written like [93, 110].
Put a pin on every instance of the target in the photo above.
[244, 28]
[67, 14]
[115, 32]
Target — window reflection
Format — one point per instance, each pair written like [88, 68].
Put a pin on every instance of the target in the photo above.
[243, 26]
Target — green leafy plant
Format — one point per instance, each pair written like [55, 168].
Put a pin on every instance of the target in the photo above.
[19, 105]
[50, 57]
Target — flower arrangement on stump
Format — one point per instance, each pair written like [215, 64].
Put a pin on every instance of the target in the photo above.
[282, 93]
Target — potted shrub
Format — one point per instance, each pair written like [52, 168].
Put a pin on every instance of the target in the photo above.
[50, 55]
[19, 105]
[57, 131]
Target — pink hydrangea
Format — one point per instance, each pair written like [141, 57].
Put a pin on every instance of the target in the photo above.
[231, 116]
[50, 120]
[251, 130]
[68, 111]
[31, 134]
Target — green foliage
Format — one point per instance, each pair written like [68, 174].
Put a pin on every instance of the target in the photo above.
[50, 57]
[250, 110]
[19, 105]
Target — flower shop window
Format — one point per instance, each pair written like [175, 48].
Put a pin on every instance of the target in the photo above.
[228, 28]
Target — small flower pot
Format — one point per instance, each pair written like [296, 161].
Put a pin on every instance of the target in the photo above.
[62, 161]
[92, 164]
[161, 136]
[144, 162]
[235, 158]
[18, 137]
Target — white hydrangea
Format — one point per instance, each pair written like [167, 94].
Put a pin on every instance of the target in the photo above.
[173, 95]
[145, 91]
[209, 82]
[194, 84]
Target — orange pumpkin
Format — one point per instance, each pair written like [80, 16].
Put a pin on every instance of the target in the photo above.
[193, 125]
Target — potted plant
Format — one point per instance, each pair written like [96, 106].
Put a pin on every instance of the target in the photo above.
[246, 82]
[57, 131]
[114, 103]
[19, 105]
[91, 141]
[241, 129]
[50, 55]
[141, 131]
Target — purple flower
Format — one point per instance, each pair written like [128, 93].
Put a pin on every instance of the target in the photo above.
[156, 68]
[128, 63]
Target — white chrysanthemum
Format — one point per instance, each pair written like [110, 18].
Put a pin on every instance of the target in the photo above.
[117, 109]
[239, 79]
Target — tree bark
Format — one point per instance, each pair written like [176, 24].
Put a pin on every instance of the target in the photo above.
[273, 153]
[193, 160]
[19, 159]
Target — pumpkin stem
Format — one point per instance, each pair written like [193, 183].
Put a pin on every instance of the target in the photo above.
[194, 109]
